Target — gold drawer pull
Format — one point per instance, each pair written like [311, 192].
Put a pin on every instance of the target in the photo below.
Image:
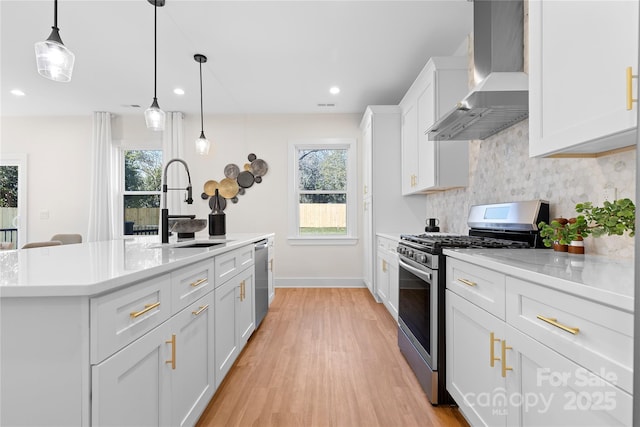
[147, 307]
[467, 282]
[384, 266]
[271, 264]
[492, 354]
[630, 99]
[504, 349]
[553, 321]
[198, 282]
[172, 341]
[200, 310]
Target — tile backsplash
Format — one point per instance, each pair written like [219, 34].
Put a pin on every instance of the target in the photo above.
[500, 170]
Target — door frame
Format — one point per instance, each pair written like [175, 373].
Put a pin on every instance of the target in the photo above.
[20, 160]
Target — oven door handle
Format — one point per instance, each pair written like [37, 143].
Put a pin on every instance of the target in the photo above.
[420, 273]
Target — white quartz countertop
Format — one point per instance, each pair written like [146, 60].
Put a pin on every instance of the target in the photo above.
[88, 269]
[605, 280]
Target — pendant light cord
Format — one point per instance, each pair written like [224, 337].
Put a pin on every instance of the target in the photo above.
[201, 107]
[155, 50]
[55, 14]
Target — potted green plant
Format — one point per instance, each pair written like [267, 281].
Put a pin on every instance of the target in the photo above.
[613, 218]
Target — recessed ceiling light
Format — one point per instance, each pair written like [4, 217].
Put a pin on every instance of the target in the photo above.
[178, 91]
[334, 90]
[17, 92]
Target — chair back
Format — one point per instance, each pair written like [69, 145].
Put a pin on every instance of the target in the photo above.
[42, 244]
[68, 239]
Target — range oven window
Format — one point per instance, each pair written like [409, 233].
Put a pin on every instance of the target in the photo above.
[415, 307]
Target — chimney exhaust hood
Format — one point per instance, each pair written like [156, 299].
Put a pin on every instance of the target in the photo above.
[501, 98]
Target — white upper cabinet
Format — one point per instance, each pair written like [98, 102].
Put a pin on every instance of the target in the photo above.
[578, 55]
[433, 165]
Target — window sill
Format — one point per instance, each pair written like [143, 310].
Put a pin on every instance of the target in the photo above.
[322, 241]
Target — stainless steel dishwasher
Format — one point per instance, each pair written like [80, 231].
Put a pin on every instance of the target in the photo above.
[261, 281]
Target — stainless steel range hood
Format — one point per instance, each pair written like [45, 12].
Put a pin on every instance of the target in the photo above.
[501, 98]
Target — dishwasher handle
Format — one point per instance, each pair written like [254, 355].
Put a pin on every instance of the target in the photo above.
[261, 244]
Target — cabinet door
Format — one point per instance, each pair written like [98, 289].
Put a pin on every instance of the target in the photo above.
[544, 388]
[382, 276]
[226, 325]
[133, 387]
[579, 52]
[246, 306]
[394, 285]
[194, 376]
[473, 360]
[409, 147]
[427, 150]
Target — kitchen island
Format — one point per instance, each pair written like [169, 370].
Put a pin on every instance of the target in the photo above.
[121, 332]
[546, 336]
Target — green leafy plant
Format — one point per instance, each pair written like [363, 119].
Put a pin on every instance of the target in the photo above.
[612, 219]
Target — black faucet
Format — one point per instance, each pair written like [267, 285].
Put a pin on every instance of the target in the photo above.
[165, 212]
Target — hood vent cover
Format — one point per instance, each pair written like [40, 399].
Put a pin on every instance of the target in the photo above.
[501, 99]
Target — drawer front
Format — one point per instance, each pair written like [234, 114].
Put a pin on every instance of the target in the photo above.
[190, 283]
[387, 244]
[121, 317]
[231, 263]
[481, 286]
[595, 336]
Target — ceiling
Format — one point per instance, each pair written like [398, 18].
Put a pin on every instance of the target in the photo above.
[263, 56]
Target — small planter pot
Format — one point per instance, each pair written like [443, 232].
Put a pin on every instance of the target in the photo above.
[560, 248]
[576, 246]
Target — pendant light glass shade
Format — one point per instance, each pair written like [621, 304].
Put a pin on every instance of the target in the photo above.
[202, 143]
[154, 116]
[53, 59]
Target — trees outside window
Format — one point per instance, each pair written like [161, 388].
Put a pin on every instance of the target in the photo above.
[142, 191]
[323, 201]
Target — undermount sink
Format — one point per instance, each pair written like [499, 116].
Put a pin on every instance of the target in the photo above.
[199, 245]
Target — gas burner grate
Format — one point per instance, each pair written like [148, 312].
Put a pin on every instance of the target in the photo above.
[462, 241]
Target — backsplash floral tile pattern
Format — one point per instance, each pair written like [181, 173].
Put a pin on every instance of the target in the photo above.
[501, 170]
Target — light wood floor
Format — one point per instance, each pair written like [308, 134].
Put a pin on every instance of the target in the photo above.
[324, 357]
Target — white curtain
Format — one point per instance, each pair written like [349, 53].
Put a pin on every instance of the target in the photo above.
[172, 148]
[104, 190]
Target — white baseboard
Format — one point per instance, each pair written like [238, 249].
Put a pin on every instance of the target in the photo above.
[318, 282]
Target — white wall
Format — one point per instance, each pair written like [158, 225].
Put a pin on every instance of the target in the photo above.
[58, 180]
[58, 152]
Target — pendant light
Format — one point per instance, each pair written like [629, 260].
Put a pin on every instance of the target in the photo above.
[54, 60]
[202, 143]
[154, 116]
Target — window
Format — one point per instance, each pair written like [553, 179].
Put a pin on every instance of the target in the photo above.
[323, 203]
[142, 191]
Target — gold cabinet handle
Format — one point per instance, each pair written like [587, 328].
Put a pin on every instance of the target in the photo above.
[198, 282]
[630, 77]
[147, 307]
[271, 265]
[172, 341]
[242, 294]
[200, 310]
[505, 368]
[492, 354]
[553, 321]
[467, 282]
[384, 266]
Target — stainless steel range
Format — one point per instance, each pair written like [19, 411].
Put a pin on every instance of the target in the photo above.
[421, 323]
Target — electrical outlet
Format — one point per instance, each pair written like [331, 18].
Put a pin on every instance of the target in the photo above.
[609, 194]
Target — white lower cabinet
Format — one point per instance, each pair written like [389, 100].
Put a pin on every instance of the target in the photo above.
[164, 378]
[234, 320]
[519, 370]
[387, 275]
[270, 257]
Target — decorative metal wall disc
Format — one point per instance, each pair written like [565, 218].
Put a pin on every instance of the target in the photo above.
[245, 179]
[221, 200]
[231, 171]
[228, 188]
[259, 167]
[251, 157]
[210, 187]
[247, 166]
